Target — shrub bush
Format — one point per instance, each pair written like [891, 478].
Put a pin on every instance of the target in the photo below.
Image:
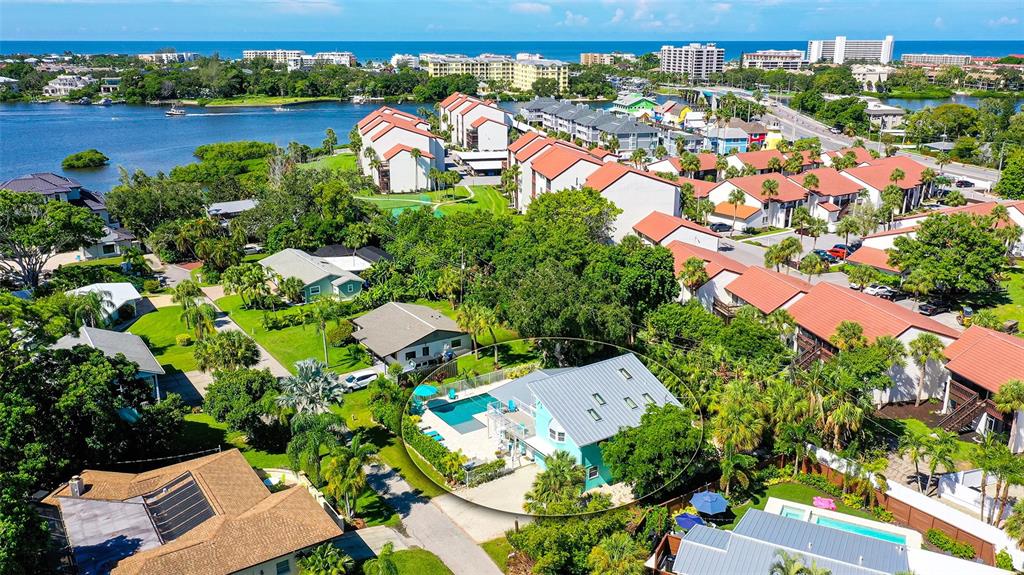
[91, 158]
[339, 334]
[487, 472]
[151, 286]
[430, 450]
[820, 482]
[950, 545]
[183, 339]
[1004, 560]
[882, 514]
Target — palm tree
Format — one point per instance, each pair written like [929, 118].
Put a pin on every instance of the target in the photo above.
[893, 349]
[816, 227]
[737, 197]
[849, 335]
[774, 164]
[489, 320]
[201, 318]
[416, 155]
[941, 446]
[468, 317]
[617, 553]
[872, 477]
[919, 283]
[1010, 399]
[291, 288]
[721, 165]
[637, 157]
[312, 389]
[92, 307]
[562, 480]
[787, 564]
[843, 415]
[928, 176]
[924, 348]
[812, 265]
[769, 189]
[693, 274]
[312, 434]
[1014, 525]
[794, 162]
[384, 563]
[689, 163]
[449, 283]
[915, 446]
[323, 311]
[355, 141]
[735, 468]
[811, 182]
[894, 178]
[186, 294]
[986, 458]
[326, 559]
[660, 152]
[343, 471]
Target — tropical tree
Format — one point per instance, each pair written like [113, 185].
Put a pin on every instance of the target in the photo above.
[489, 320]
[1014, 525]
[769, 189]
[812, 265]
[92, 307]
[811, 182]
[225, 350]
[469, 316]
[558, 487]
[986, 458]
[449, 283]
[416, 155]
[871, 476]
[787, 564]
[384, 563]
[291, 288]
[355, 141]
[849, 335]
[327, 559]
[343, 471]
[721, 165]
[847, 226]
[325, 310]
[689, 162]
[638, 157]
[1010, 399]
[816, 227]
[794, 162]
[330, 141]
[774, 164]
[660, 152]
[941, 447]
[924, 348]
[617, 553]
[861, 275]
[735, 468]
[201, 318]
[312, 390]
[693, 274]
[313, 434]
[915, 446]
[919, 283]
[186, 294]
[737, 198]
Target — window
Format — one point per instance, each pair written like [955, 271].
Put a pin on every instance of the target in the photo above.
[425, 351]
[410, 354]
[109, 248]
[349, 288]
[284, 567]
[456, 343]
[629, 402]
[600, 400]
[314, 290]
[594, 415]
[625, 374]
[592, 472]
[558, 436]
[648, 398]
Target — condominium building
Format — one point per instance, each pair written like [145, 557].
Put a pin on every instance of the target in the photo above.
[774, 59]
[842, 50]
[408, 60]
[275, 56]
[169, 57]
[698, 61]
[519, 73]
[63, 85]
[590, 58]
[937, 59]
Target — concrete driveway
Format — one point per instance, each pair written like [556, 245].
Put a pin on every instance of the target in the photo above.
[504, 493]
[367, 543]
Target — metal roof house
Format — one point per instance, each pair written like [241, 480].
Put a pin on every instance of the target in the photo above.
[575, 409]
[112, 343]
[410, 334]
[318, 275]
[121, 299]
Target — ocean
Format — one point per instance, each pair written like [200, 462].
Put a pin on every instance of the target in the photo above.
[569, 51]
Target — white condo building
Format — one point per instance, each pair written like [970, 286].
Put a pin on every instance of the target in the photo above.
[169, 57]
[403, 150]
[275, 56]
[64, 84]
[937, 59]
[842, 50]
[774, 59]
[698, 61]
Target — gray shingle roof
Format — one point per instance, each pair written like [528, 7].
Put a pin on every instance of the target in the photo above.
[395, 326]
[112, 343]
[230, 208]
[751, 548]
[291, 262]
[568, 396]
[44, 183]
[537, 104]
[372, 254]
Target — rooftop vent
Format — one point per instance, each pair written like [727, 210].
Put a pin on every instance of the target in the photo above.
[77, 486]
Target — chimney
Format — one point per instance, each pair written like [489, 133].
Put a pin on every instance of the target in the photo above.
[77, 486]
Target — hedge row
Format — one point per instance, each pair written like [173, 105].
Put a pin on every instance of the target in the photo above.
[950, 545]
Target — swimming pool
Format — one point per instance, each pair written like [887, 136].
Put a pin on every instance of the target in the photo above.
[792, 512]
[459, 414]
[861, 530]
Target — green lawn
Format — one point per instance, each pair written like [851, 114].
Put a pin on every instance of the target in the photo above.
[484, 198]
[965, 449]
[372, 508]
[292, 344]
[796, 492]
[114, 261]
[339, 162]
[203, 432]
[264, 101]
[1015, 291]
[419, 562]
[498, 550]
[159, 329]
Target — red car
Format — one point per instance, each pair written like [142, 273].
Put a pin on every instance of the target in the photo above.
[839, 253]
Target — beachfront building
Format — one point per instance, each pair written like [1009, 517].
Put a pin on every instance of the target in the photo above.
[277, 56]
[62, 86]
[937, 59]
[212, 514]
[842, 50]
[404, 61]
[696, 61]
[774, 59]
[403, 150]
[318, 276]
[411, 335]
[607, 59]
[475, 124]
[516, 73]
[169, 57]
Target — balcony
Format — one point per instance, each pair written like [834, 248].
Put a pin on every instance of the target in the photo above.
[660, 563]
[725, 309]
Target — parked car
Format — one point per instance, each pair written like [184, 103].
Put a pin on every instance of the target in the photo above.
[933, 307]
[892, 294]
[355, 382]
[875, 289]
[251, 249]
[842, 251]
[964, 184]
[720, 227]
[965, 316]
[827, 257]
[835, 130]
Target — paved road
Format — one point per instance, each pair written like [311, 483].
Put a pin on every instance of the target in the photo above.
[427, 526]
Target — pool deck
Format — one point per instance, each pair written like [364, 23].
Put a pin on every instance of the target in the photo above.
[474, 444]
[775, 505]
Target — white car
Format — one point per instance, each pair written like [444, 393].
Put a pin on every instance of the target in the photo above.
[356, 382]
[875, 289]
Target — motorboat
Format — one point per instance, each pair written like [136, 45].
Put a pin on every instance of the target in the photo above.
[175, 111]
[280, 109]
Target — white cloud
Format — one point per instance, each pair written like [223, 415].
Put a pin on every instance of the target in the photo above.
[721, 7]
[938, 23]
[1004, 21]
[619, 15]
[574, 19]
[530, 8]
[642, 10]
[305, 6]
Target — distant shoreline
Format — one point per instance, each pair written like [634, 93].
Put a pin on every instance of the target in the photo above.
[258, 102]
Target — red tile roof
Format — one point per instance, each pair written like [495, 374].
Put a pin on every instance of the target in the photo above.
[708, 161]
[399, 148]
[557, 160]
[532, 147]
[386, 112]
[876, 173]
[483, 120]
[658, 225]
[451, 98]
[742, 211]
[521, 141]
[892, 232]
[829, 207]
[830, 182]
[601, 153]
[861, 154]
[403, 125]
[788, 190]
[986, 357]
[759, 159]
[873, 257]
[612, 172]
[714, 262]
[827, 305]
[765, 289]
[981, 209]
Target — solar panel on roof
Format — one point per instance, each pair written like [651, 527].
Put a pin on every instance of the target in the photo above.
[178, 507]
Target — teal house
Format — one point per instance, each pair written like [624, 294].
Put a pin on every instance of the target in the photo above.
[575, 409]
[318, 276]
[634, 105]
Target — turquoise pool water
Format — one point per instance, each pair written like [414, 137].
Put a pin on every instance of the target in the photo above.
[792, 513]
[459, 414]
[861, 530]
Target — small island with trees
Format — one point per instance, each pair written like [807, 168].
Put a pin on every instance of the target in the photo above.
[91, 158]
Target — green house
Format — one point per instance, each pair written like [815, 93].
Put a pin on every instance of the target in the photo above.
[318, 276]
[634, 105]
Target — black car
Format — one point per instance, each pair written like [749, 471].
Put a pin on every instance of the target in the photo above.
[964, 184]
[892, 294]
[930, 308]
[720, 227]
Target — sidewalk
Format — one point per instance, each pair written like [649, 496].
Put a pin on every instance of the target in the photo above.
[225, 323]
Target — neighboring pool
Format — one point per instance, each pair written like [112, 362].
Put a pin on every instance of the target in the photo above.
[792, 513]
[459, 414]
[861, 530]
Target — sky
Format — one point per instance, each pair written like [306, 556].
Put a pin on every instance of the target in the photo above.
[446, 20]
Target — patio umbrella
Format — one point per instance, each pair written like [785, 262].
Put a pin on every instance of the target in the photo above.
[424, 390]
[709, 503]
[687, 520]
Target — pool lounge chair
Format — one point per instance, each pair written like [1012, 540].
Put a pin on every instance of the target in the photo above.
[451, 394]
